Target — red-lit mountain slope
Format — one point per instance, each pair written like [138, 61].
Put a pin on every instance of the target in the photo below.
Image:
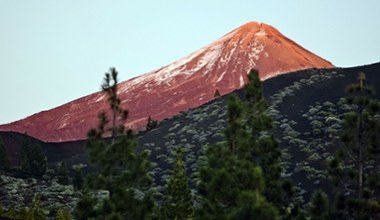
[186, 83]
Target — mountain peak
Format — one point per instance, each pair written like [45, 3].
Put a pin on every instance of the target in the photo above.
[186, 83]
[253, 26]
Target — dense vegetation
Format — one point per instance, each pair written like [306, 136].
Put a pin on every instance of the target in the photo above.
[224, 160]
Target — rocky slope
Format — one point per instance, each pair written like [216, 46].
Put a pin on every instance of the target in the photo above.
[184, 84]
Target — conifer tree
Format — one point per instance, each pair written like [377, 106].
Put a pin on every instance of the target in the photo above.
[11, 213]
[264, 147]
[124, 172]
[2, 212]
[4, 161]
[33, 162]
[353, 169]
[36, 212]
[63, 173]
[178, 202]
[217, 94]
[109, 86]
[231, 182]
[151, 124]
[78, 179]
[23, 213]
[85, 208]
[319, 208]
[62, 214]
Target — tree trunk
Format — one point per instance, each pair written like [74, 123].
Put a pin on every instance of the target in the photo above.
[360, 159]
[360, 176]
[113, 125]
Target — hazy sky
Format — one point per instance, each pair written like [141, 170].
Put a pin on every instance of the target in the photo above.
[52, 52]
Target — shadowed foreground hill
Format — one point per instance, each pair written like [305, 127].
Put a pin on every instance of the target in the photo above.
[307, 109]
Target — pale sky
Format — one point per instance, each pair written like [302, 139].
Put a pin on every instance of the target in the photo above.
[52, 52]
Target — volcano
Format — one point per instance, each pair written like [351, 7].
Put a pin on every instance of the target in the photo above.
[187, 83]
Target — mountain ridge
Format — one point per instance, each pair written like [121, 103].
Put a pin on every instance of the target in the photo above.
[186, 83]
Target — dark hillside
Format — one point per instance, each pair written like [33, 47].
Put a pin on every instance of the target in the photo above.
[306, 107]
[307, 111]
[54, 151]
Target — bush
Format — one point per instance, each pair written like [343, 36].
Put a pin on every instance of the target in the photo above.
[314, 157]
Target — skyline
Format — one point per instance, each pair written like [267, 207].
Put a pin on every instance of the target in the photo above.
[52, 53]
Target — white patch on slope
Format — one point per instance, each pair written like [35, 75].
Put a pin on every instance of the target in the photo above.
[62, 126]
[166, 73]
[254, 54]
[101, 97]
[209, 58]
[173, 69]
[241, 81]
[277, 73]
[221, 76]
[179, 67]
[64, 121]
[228, 55]
[256, 49]
[261, 33]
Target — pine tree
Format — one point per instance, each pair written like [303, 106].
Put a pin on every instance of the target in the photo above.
[151, 124]
[124, 172]
[63, 173]
[337, 210]
[299, 215]
[33, 162]
[2, 212]
[11, 213]
[354, 169]
[36, 212]
[23, 213]
[62, 214]
[109, 87]
[217, 94]
[4, 161]
[319, 208]
[178, 202]
[264, 147]
[361, 138]
[231, 182]
[78, 179]
[250, 170]
[85, 208]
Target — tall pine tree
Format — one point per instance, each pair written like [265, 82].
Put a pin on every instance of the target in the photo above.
[178, 203]
[355, 169]
[264, 147]
[36, 211]
[319, 208]
[78, 179]
[33, 162]
[85, 208]
[63, 173]
[124, 172]
[232, 184]
[4, 161]
[62, 214]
